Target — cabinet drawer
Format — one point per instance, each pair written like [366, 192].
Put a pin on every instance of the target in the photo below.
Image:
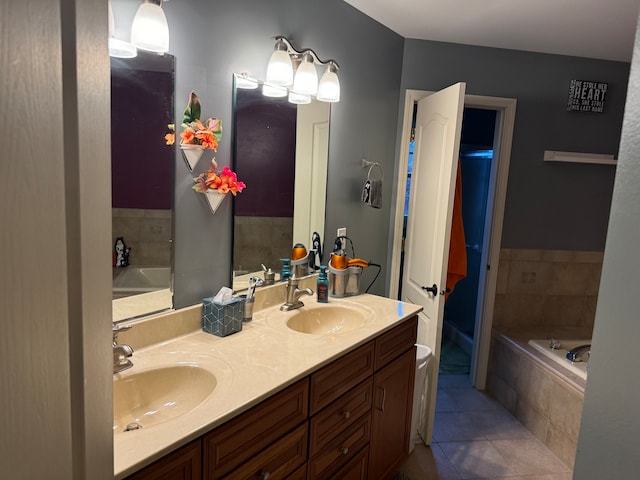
[299, 474]
[183, 464]
[242, 438]
[277, 461]
[339, 377]
[356, 468]
[395, 342]
[339, 415]
[340, 450]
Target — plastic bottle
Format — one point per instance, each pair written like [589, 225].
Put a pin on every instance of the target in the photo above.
[323, 285]
[285, 271]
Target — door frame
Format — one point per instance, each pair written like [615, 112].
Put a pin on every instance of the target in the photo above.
[505, 119]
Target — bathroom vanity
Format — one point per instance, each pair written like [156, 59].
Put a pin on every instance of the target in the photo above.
[288, 404]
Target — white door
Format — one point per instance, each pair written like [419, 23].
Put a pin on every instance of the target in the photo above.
[437, 144]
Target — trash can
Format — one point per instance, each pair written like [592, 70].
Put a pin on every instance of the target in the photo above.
[423, 356]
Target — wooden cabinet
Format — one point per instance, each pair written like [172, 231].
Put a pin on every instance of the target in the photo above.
[349, 420]
[183, 464]
[391, 415]
[239, 440]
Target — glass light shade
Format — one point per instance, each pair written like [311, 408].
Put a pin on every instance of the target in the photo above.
[306, 78]
[273, 91]
[245, 81]
[299, 98]
[150, 30]
[329, 86]
[279, 68]
[121, 49]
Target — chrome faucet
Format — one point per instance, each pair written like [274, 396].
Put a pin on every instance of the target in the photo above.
[293, 294]
[121, 353]
[577, 354]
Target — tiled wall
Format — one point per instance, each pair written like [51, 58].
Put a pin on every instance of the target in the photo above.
[546, 287]
[146, 232]
[542, 401]
[261, 240]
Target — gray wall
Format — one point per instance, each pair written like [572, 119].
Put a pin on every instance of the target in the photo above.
[608, 441]
[214, 39]
[549, 205]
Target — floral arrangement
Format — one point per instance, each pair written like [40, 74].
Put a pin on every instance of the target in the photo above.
[194, 131]
[222, 182]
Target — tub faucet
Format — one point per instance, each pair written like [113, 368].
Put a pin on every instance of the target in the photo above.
[577, 354]
[121, 353]
[293, 294]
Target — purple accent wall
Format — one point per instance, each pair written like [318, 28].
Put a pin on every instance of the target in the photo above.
[141, 162]
[265, 130]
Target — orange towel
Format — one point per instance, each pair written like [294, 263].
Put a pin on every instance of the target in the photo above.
[457, 267]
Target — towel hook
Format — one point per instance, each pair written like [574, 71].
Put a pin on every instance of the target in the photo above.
[366, 163]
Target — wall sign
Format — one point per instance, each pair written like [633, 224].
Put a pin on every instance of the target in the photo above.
[587, 96]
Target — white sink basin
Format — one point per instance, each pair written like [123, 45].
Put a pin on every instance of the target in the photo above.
[154, 396]
[327, 320]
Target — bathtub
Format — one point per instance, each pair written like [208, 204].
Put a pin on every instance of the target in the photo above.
[559, 355]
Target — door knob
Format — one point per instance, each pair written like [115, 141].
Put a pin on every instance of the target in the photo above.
[433, 290]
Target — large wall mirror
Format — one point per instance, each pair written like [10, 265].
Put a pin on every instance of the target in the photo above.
[142, 105]
[281, 153]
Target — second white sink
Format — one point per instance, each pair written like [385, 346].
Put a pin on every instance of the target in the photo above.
[327, 320]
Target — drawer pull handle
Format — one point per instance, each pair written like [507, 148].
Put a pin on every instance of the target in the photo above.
[346, 414]
[344, 450]
[264, 475]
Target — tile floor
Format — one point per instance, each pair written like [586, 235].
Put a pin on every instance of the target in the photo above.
[474, 437]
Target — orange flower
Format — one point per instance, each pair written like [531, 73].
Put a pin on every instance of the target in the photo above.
[188, 135]
[170, 138]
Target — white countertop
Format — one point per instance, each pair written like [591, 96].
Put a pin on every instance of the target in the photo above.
[250, 365]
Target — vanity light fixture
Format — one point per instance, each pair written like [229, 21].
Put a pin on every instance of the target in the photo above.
[243, 80]
[299, 98]
[150, 30]
[118, 48]
[273, 90]
[280, 71]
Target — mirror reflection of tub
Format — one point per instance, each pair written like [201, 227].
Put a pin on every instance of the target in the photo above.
[140, 290]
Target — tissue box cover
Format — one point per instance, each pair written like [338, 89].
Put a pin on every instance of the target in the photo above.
[222, 318]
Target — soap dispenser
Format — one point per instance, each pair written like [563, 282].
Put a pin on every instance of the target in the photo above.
[323, 285]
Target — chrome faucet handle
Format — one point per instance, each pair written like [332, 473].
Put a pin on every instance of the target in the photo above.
[117, 328]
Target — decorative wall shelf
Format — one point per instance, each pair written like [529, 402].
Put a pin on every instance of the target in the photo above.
[576, 157]
[192, 154]
[214, 199]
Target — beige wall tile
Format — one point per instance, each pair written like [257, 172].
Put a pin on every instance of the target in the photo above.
[502, 392]
[565, 410]
[564, 310]
[527, 255]
[535, 386]
[571, 278]
[559, 255]
[589, 257]
[503, 276]
[528, 276]
[532, 419]
[561, 445]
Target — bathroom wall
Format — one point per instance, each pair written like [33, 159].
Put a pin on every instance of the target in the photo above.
[213, 39]
[542, 288]
[147, 232]
[607, 445]
[549, 205]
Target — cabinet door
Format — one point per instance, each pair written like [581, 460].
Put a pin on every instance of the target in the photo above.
[391, 415]
[183, 464]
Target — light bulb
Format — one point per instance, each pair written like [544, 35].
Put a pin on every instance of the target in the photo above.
[150, 30]
[279, 68]
[329, 86]
[306, 78]
[299, 98]
[273, 91]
